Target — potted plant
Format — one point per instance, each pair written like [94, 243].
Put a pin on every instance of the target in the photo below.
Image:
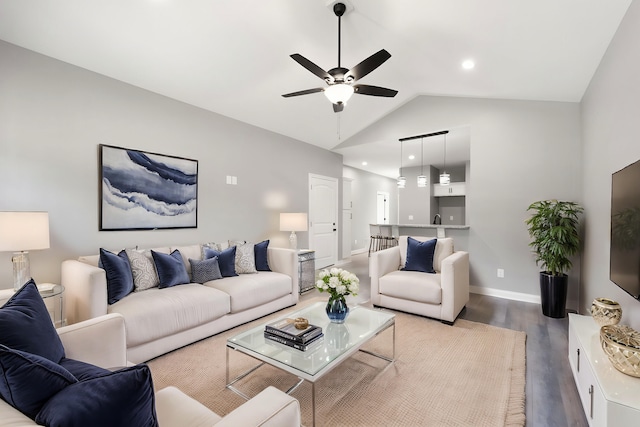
[553, 228]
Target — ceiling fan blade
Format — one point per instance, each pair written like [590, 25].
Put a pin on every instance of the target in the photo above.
[368, 65]
[312, 67]
[374, 91]
[338, 107]
[303, 92]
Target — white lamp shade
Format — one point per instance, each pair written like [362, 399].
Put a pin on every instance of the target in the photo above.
[24, 231]
[339, 93]
[422, 181]
[445, 179]
[402, 181]
[296, 221]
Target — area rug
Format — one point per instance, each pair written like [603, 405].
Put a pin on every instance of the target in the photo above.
[468, 374]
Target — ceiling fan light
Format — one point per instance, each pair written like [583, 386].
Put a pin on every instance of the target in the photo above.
[339, 93]
[445, 178]
[422, 181]
[402, 181]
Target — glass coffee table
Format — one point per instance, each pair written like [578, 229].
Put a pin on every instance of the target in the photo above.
[340, 341]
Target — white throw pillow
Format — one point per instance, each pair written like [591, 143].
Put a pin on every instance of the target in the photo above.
[143, 269]
[245, 259]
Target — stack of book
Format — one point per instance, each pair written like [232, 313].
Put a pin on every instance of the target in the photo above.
[285, 332]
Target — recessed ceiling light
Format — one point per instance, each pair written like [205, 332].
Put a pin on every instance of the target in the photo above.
[411, 157]
[468, 64]
[364, 163]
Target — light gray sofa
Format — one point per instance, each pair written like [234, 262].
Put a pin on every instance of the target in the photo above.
[441, 295]
[101, 341]
[161, 320]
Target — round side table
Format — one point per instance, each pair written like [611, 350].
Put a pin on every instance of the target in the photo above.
[52, 295]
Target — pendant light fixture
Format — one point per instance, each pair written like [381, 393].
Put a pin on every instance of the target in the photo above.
[402, 180]
[422, 179]
[445, 178]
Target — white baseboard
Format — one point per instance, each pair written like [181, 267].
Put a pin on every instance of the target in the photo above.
[359, 251]
[516, 296]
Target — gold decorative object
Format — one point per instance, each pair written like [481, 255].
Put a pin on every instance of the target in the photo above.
[621, 344]
[606, 312]
[301, 323]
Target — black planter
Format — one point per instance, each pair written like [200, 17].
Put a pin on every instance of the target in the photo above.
[553, 294]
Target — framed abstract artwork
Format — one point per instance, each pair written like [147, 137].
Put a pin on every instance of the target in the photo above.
[146, 191]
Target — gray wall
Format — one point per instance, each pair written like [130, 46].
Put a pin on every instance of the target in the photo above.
[610, 112]
[521, 151]
[54, 115]
[364, 191]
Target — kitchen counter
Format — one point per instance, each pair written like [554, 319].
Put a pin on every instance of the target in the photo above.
[398, 229]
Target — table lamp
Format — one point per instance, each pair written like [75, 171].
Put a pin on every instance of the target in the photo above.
[293, 222]
[21, 232]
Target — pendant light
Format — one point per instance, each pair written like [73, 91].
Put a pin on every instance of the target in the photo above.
[445, 178]
[422, 179]
[402, 180]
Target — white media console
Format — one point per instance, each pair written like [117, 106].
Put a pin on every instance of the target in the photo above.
[609, 397]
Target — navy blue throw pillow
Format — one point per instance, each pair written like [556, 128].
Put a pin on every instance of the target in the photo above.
[28, 381]
[205, 270]
[121, 398]
[260, 253]
[119, 276]
[82, 370]
[226, 260]
[25, 325]
[170, 268]
[420, 255]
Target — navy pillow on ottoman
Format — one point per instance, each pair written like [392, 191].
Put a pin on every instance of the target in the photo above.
[121, 398]
[28, 381]
[420, 255]
[25, 325]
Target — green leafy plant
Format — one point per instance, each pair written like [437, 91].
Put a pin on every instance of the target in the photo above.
[553, 228]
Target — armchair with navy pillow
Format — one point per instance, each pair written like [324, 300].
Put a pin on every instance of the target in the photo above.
[422, 275]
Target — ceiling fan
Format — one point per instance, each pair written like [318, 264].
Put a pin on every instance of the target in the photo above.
[341, 80]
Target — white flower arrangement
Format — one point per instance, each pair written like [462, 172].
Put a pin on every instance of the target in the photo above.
[338, 282]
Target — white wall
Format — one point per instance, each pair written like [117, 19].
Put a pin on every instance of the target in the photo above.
[54, 115]
[364, 192]
[610, 113]
[521, 151]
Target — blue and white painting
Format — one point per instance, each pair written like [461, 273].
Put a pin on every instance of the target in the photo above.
[147, 191]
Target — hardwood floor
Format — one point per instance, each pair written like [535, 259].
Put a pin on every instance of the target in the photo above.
[551, 396]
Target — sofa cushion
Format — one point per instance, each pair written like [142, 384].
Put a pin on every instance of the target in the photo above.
[156, 313]
[28, 381]
[121, 398]
[420, 255]
[260, 253]
[205, 270]
[170, 268]
[444, 248]
[245, 262]
[412, 286]
[226, 260]
[25, 325]
[143, 269]
[251, 290]
[118, 272]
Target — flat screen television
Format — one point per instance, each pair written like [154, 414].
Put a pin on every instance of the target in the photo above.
[624, 266]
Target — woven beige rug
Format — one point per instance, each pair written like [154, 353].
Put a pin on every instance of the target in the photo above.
[468, 374]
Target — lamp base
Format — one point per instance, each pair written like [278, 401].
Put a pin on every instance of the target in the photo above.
[293, 241]
[21, 269]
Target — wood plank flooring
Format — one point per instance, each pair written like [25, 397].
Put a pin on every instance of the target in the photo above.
[551, 396]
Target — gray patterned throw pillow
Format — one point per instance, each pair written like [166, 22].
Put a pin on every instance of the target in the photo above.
[245, 259]
[205, 270]
[143, 269]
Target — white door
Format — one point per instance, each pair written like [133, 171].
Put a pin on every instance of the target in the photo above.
[323, 217]
[382, 216]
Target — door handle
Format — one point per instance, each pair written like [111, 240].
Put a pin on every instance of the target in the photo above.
[334, 229]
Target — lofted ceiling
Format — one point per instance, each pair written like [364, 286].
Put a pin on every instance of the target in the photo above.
[232, 56]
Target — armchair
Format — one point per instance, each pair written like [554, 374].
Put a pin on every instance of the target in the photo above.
[442, 295]
[102, 341]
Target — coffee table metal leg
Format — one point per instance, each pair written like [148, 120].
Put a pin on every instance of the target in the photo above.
[388, 359]
[238, 378]
[313, 404]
